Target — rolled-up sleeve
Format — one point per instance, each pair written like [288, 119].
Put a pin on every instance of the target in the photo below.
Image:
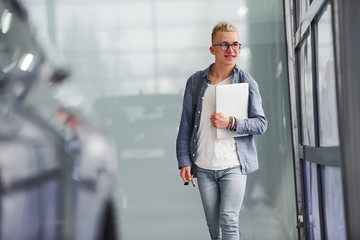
[186, 127]
[256, 123]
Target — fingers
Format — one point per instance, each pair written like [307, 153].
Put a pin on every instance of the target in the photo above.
[185, 174]
[219, 120]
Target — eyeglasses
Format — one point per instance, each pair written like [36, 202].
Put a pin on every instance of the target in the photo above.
[225, 46]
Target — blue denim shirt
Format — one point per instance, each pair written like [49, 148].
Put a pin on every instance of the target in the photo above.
[255, 124]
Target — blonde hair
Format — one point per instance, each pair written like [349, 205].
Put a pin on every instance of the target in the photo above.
[225, 26]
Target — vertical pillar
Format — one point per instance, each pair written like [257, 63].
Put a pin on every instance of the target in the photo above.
[347, 54]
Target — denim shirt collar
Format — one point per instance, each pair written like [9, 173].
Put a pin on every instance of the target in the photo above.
[236, 71]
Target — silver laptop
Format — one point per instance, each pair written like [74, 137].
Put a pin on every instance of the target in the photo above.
[233, 100]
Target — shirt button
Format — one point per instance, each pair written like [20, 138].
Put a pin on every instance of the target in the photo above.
[193, 155]
[198, 112]
[195, 126]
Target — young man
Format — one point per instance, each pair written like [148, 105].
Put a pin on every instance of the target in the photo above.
[221, 166]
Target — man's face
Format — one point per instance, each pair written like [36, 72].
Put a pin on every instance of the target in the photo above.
[225, 57]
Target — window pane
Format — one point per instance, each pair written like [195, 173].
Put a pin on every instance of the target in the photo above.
[312, 201]
[306, 93]
[333, 204]
[328, 125]
[302, 7]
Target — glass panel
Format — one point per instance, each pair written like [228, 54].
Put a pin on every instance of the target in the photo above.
[333, 204]
[312, 201]
[328, 125]
[302, 8]
[328, 129]
[132, 58]
[306, 93]
[262, 199]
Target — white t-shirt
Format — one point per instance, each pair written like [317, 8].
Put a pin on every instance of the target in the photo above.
[213, 153]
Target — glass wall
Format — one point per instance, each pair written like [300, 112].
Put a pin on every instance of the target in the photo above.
[334, 219]
[320, 194]
[326, 76]
[130, 61]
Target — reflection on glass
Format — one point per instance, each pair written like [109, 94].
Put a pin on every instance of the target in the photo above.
[328, 129]
[328, 125]
[302, 7]
[5, 21]
[312, 201]
[132, 64]
[26, 61]
[306, 91]
[333, 204]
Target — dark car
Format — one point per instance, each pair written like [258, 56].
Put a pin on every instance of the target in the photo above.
[58, 180]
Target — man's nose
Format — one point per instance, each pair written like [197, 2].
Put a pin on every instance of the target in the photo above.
[230, 49]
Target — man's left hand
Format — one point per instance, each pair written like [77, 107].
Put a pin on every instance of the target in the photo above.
[219, 120]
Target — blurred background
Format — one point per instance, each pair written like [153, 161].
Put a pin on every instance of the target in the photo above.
[129, 62]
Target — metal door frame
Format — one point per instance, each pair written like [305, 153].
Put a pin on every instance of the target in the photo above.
[326, 156]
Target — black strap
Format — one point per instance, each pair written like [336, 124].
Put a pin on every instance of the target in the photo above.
[196, 90]
[197, 85]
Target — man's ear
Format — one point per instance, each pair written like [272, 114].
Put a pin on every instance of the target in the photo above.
[212, 50]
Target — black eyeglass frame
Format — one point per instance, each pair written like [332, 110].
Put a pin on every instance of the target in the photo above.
[227, 45]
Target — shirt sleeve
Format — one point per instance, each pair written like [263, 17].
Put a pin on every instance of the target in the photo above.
[256, 123]
[186, 127]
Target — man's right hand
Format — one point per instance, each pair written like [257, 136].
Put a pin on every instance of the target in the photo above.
[185, 174]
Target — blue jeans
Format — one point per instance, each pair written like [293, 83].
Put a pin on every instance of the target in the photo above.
[222, 193]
